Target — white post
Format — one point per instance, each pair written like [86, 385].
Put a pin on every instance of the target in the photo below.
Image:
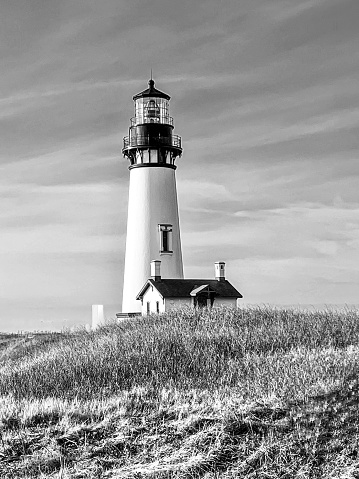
[98, 318]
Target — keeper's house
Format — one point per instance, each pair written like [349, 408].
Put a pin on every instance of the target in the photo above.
[159, 295]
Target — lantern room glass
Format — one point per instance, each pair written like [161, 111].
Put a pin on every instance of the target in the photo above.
[152, 110]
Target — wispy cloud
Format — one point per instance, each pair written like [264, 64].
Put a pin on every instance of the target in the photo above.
[70, 88]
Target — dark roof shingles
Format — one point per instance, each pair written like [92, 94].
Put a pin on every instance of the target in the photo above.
[180, 288]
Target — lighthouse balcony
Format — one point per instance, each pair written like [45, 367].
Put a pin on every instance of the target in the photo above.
[141, 119]
[150, 141]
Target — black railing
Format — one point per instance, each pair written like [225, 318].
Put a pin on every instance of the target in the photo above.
[147, 140]
[162, 119]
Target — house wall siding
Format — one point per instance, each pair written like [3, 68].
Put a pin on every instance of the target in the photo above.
[152, 296]
[168, 304]
[177, 303]
[228, 302]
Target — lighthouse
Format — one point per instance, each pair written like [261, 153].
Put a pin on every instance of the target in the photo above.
[153, 231]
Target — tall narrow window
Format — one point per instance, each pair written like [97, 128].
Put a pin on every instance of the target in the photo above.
[165, 238]
[157, 307]
[148, 307]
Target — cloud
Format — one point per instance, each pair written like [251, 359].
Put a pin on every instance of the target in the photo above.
[263, 93]
[307, 238]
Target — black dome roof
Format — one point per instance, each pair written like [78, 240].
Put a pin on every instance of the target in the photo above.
[151, 91]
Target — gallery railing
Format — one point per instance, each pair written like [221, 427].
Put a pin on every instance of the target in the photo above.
[151, 141]
[163, 119]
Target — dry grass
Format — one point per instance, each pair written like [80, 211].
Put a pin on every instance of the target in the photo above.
[257, 393]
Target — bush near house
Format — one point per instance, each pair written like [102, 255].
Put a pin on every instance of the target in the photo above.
[252, 393]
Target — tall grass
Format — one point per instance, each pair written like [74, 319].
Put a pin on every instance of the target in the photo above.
[254, 393]
[260, 351]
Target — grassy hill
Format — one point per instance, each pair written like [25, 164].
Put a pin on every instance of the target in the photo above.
[253, 393]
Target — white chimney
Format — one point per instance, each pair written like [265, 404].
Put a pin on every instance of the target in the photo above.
[220, 271]
[156, 270]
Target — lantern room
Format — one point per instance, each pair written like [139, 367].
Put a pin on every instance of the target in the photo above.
[151, 106]
[151, 138]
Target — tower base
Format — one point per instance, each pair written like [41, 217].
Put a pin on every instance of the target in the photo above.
[152, 209]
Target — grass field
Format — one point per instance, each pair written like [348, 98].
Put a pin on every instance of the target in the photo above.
[252, 393]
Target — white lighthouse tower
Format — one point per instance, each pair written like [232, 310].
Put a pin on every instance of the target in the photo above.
[153, 224]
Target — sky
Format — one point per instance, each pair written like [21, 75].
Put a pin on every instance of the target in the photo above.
[265, 96]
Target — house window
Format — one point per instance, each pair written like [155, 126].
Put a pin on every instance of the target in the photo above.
[157, 307]
[148, 307]
[165, 238]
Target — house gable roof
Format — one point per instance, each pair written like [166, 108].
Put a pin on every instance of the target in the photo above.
[201, 289]
[182, 288]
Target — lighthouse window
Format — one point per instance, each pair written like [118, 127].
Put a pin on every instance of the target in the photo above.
[152, 112]
[165, 238]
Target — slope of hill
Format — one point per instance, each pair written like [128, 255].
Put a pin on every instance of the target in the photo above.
[253, 393]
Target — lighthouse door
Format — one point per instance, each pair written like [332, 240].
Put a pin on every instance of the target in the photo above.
[202, 301]
[204, 297]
